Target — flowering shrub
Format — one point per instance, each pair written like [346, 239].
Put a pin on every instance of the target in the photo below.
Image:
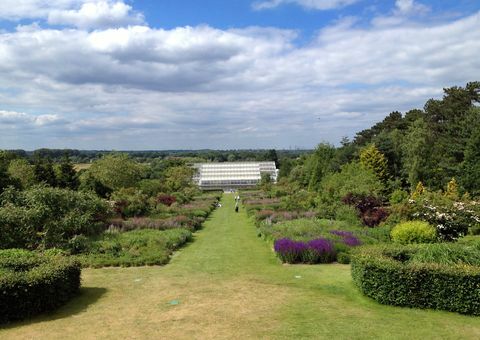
[348, 238]
[451, 219]
[314, 251]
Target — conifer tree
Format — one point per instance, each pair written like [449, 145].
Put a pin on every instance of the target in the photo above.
[371, 158]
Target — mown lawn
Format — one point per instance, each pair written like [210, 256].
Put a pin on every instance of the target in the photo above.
[228, 284]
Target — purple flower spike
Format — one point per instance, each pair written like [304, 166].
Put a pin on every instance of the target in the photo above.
[351, 241]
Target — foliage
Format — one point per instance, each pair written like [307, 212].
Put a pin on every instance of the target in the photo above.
[35, 283]
[370, 208]
[130, 202]
[354, 179]
[133, 248]
[416, 152]
[21, 170]
[44, 172]
[178, 178]
[470, 178]
[371, 158]
[318, 165]
[390, 276]
[151, 187]
[452, 219]
[414, 232]
[48, 217]
[300, 200]
[89, 183]
[165, 199]
[398, 196]
[66, 175]
[314, 251]
[116, 171]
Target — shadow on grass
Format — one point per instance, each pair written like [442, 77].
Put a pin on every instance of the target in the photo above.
[80, 303]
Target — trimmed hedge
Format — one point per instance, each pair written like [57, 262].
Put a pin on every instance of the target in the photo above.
[31, 283]
[388, 275]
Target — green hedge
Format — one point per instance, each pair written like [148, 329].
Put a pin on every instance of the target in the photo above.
[31, 283]
[391, 275]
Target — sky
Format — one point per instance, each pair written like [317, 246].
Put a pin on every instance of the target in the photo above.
[236, 74]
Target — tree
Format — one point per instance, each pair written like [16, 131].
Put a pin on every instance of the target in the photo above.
[178, 178]
[66, 174]
[272, 156]
[44, 172]
[470, 178]
[416, 152]
[319, 164]
[452, 190]
[5, 178]
[21, 170]
[117, 171]
[372, 159]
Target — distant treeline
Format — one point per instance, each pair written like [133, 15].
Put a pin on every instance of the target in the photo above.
[88, 156]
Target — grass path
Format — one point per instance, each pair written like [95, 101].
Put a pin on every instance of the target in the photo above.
[228, 284]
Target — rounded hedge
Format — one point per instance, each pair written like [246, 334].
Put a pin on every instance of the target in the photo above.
[414, 232]
[31, 283]
[391, 275]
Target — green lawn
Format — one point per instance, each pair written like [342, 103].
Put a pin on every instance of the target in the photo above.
[229, 284]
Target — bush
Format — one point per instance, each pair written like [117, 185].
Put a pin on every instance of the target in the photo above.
[369, 208]
[31, 283]
[134, 248]
[414, 232]
[48, 217]
[343, 258]
[314, 251]
[391, 275]
[451, 218]
[130, 202]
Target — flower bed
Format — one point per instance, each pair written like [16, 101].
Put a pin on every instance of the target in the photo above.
[314, 251]
[416, 276]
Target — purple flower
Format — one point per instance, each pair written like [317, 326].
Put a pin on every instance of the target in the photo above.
[351, 241]
[321, 245]
[289, 251]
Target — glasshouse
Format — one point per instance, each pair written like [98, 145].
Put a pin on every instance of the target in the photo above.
[214, 176]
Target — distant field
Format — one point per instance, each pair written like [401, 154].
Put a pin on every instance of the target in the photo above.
[82, 166]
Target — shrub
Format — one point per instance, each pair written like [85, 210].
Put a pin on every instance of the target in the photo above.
[130, 202]
[391, 275]
[343, 258]
[48, 217]
[369, 208]
[414, 232]
[452, 219]
[134, 248]
[167, 200]
[314, 251]
[398, 196]
[31, 283]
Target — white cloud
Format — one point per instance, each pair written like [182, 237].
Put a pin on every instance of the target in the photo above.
[410, 7]
[96, 15]
[84, 14]
[308, 4]
[403, 11]
[21, 119]
[195, 87]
